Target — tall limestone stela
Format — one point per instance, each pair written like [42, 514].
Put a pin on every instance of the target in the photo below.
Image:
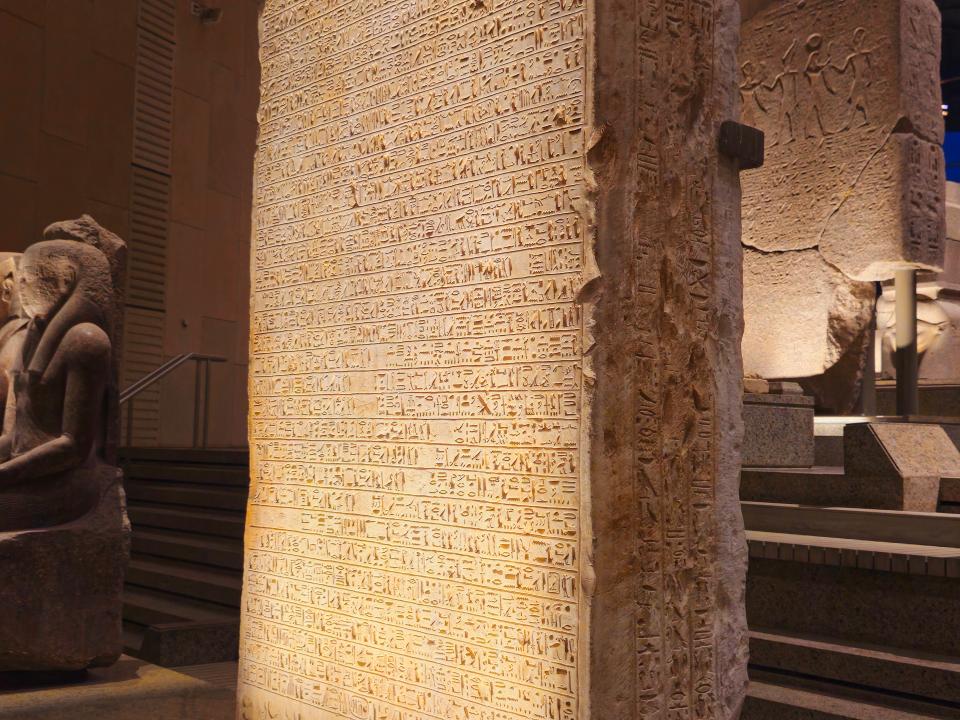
[495, 366]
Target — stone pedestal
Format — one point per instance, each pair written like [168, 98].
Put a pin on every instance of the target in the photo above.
[887, 466]
[129, 690]
[908, 458]
[778, 430]
[63, 612]
[495, 375]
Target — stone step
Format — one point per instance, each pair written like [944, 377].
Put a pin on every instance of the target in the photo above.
[207, 550]
[194, 495]
[823, 485]
[132, 638]
[209, 456]
[828, 450]
[896, 597]
[130, 688]
[146, 607]
[230, 475]
[922, 676]
[195, 581]
[769, 700]
[172, 517]
[909, 528]
[190, 643]
[853, 553]
[171, 630]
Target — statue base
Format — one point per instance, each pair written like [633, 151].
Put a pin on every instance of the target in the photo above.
[130, 690]
[62, 597]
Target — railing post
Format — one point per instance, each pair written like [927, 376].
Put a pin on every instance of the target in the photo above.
[206, 400]
[130, 422]
[908, 397]
[201, 393]
[196, 403]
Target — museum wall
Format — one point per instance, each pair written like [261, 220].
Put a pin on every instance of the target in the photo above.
[68, 145]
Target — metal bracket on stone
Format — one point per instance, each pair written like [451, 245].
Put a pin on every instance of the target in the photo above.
[742, 143]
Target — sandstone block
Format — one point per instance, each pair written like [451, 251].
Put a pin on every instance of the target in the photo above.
[847, 93]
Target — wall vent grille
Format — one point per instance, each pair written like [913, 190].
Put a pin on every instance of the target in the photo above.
[149, 210]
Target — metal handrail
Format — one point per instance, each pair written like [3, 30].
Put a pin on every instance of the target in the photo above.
[199, 428]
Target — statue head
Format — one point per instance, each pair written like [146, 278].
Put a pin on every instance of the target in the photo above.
[859, 37]
[53, 271]
[9, 290]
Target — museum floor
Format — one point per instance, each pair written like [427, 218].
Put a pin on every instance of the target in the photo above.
[130, 690]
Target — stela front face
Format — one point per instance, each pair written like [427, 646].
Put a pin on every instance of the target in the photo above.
[485, 485]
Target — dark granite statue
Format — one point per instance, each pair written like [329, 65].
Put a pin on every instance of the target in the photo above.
[64, 534]
[13, 322]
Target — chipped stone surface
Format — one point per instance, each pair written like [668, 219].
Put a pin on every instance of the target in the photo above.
[801, 314]
[495, 369]
[899, 190]
[63, 609]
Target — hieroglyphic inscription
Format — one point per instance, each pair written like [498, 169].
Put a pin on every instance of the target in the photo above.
[413, 544]
[675, 463]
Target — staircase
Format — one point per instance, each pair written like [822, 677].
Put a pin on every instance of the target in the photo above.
[853, 603]
[182, 594]
[848, 627]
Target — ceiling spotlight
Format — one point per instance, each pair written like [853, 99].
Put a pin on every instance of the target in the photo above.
[207, 15]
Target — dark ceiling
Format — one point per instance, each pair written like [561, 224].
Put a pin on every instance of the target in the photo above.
[951, 60]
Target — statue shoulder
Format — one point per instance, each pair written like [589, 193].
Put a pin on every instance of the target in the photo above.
[87, 343]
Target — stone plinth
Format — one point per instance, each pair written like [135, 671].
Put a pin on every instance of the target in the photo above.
[68, 615]
[777, 430]
[495, 378]
[129, 690]
[917, 455]
[887, 466]
[847, 93]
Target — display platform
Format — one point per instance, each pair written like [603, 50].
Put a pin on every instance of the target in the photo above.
[129, 690]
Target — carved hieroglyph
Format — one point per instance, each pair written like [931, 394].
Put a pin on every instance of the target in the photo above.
[495, 364]
[848, 95]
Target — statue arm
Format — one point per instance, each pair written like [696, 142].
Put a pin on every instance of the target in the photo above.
[87, 367]
[9, 415]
